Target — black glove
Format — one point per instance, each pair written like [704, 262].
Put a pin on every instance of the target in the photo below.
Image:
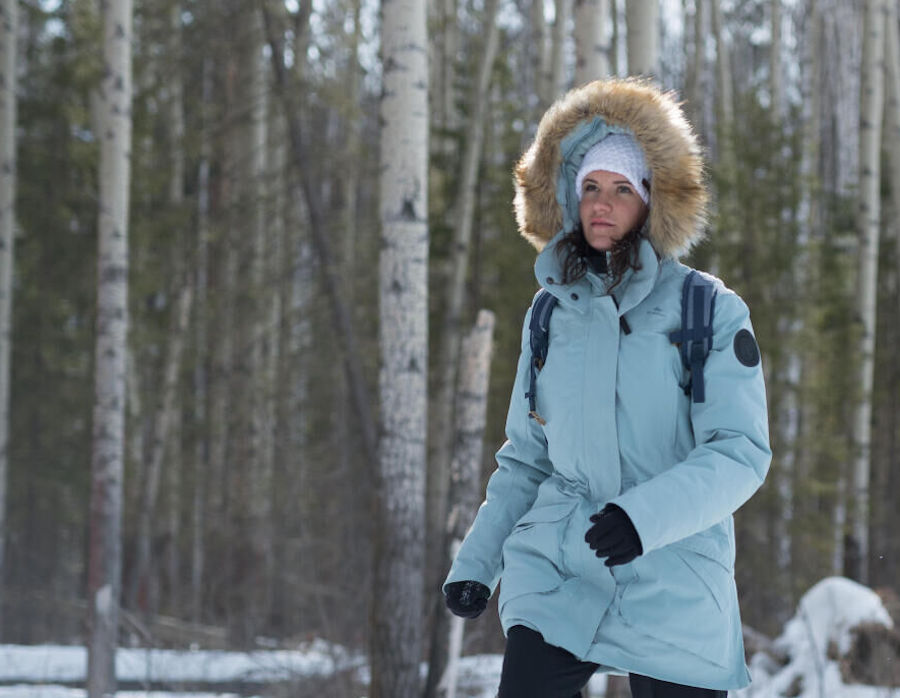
[467, 599]
[613, 536]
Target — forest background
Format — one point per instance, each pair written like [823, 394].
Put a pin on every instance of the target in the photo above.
[253, 349]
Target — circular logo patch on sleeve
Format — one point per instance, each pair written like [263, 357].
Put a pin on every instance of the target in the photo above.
[745, 348]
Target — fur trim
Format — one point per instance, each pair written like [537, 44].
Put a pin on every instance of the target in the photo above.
[678, 192]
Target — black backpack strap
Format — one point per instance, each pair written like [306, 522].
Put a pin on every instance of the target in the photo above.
[539, 329]
[698, 298]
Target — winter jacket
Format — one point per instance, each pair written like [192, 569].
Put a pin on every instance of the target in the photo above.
[619, 426]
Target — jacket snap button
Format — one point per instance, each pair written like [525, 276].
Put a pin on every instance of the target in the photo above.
[551, 280]
[574, 296]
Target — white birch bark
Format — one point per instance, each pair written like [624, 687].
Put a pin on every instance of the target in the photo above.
[105, 547]
[592, 40]
[869, 223]
[396, 633]
[465, 470]
[9, 14]
[642, 20]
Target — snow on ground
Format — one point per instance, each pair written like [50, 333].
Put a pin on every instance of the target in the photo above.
[49, 663]
[826, 614]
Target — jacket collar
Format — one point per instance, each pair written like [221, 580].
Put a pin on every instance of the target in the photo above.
[635, 286]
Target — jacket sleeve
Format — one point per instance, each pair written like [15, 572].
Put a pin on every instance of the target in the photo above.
[522, 464]
[731, 454]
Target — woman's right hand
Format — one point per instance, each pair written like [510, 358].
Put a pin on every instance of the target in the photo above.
[466, 599]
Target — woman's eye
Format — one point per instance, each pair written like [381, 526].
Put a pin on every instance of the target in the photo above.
[623, 189]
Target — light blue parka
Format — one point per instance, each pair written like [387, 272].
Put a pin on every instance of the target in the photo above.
[620, 428]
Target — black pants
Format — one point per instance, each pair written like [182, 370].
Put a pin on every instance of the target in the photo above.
[534, 669]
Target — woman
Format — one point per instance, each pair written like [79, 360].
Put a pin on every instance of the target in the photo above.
[608, 520]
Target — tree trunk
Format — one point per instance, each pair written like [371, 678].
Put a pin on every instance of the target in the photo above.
[105, 548]
[725, 90]
[695, 62]
[9, 14]
[446, 47]
[775, 69]
[465, 486]
[201, 377]
[166, 413]
[558, 51]
[642, 20]
[322, 247]
[869, 221]
[396, 633]
[592, 40]
[443, 408]
[176, 199]
[891, 125]
[540, 56]
[163, 422]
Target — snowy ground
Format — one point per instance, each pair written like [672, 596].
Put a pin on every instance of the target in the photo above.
[824, 616]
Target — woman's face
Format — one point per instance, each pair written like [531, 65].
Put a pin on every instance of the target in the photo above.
[609, 209]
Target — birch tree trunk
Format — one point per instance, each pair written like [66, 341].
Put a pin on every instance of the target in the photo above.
[446, 47]
[396, 633]
[166, 412]
[557, 54]
[105, 547]
[695, 64]
[891, 126]
[540, 57]
[176, 199]
[775, 83]
[592, 40]
[163, 424]
[642, 20]
[201, 377]
[725, 89]
[449, 350]
[614, 63]
[869, 222]
[9, 14]
[465, 477]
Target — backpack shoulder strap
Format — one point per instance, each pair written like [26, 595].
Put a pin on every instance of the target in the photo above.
[539, 329]
[698, 297]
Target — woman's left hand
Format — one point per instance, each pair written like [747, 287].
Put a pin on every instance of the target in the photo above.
[613, 536]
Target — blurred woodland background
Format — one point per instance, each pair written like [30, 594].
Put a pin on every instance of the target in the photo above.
[253, 348]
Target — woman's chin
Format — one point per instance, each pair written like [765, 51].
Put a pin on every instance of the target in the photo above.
[601, 245]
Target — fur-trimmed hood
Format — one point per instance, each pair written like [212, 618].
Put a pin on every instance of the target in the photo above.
[545, 201]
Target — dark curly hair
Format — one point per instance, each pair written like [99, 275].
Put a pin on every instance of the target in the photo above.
[574, 252]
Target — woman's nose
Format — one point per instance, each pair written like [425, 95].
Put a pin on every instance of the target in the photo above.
[601, 202]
